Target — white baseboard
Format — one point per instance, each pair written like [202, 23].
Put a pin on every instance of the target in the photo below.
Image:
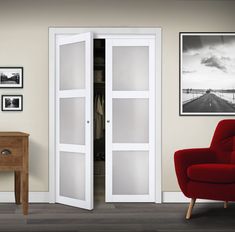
[34, 197]
[44, 197]
[178, 197]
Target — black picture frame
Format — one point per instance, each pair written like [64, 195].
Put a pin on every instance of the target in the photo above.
[11, 77]
[17, 106]
[206, 73]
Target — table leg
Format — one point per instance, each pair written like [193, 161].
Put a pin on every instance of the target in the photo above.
[24, 192]
[17, 187]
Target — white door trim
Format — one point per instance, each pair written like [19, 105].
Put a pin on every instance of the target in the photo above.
[104, 33]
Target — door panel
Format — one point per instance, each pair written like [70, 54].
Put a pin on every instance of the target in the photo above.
[130, 173]
[74, 117]
[72, 66]
[130, 120]
[75, 187]
[130, 68]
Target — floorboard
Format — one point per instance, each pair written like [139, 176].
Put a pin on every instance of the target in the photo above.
[118, 217]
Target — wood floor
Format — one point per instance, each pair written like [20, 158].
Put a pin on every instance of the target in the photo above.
[118, 217]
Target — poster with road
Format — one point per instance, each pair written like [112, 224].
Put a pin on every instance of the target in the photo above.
[207, 73]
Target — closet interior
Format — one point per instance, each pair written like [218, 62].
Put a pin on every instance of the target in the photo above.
[99, 119]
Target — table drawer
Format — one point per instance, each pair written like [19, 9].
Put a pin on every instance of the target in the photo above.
[11, 151]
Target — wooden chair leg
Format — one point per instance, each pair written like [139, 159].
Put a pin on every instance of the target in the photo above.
[226, 204]
[190, 208]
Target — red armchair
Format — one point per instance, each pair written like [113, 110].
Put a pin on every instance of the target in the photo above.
[209, 173]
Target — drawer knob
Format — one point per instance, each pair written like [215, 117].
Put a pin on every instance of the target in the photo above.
[5, 152]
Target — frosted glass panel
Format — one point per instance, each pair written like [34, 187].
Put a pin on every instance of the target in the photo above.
[130, 68]
[130, 121]
[72, 175]
[72, 121]
[72, 66]
[130, 173]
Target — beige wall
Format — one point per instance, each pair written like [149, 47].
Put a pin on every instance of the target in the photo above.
[24, 42]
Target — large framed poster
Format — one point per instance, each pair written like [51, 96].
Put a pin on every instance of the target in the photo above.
[207, 73]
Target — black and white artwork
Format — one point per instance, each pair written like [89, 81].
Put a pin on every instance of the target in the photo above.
[11, 77]
[207, 73]
[12, 102]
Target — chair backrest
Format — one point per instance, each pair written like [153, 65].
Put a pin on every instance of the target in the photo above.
[223, 141]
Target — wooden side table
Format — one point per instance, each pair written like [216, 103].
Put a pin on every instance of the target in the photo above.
[14, 157]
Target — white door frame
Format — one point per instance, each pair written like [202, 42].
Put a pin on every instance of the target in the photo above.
[104, 33]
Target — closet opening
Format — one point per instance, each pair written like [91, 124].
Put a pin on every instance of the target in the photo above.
[99, 120]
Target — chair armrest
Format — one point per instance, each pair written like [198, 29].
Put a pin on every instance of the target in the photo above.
[184, 158]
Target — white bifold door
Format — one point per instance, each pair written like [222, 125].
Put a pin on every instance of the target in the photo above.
[74, 120]
[130, 119]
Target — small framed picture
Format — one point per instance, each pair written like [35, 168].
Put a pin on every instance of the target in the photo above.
[11, 77]
[12, 102]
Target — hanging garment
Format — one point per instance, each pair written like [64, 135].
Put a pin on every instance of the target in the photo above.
[99, 117]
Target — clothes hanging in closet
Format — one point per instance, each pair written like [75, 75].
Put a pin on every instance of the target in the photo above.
[99, 116]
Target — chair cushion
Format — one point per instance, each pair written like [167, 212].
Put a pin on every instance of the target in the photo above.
[212, 173]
